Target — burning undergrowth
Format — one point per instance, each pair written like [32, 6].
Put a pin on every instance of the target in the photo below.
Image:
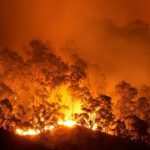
[42, 90]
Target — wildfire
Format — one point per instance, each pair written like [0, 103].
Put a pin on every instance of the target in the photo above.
[33, 132]
[28, 132]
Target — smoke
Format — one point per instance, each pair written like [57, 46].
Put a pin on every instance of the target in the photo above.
[119, 47]
[121, 52]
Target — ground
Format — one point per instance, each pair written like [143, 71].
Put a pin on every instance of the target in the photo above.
[67, 139]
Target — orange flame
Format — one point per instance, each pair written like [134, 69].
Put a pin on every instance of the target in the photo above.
[32, 132]
[68, 123]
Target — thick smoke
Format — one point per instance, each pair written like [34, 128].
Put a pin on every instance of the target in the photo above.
[118, 50]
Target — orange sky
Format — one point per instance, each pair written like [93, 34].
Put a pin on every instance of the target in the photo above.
[61, 20]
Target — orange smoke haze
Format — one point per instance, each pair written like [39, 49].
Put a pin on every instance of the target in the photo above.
[120, 47]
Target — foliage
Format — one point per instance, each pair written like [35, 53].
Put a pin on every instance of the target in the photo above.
[98, 112]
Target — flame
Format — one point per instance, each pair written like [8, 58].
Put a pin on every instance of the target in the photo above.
[73, 105]
[28, 132]
[68, 123]
[68, 101]
[32, 132]
[94, 127]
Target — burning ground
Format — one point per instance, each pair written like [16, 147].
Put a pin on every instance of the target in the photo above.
[42, 90]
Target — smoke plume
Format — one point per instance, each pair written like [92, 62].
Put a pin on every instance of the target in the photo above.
[120, 47]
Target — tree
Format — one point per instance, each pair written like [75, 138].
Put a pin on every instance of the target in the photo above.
[137, 128]
[125, 95]
[119, 129]
[96, 111]
[104, 116]
[143, 109]
[6, 114]
[46, 114]
[5, 91]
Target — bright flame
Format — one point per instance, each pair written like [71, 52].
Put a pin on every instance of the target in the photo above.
[29, 132]
[32, 132]
[68, 123]
[73, 105]
[94, 127]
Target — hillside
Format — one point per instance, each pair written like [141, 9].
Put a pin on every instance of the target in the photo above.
[67, 139]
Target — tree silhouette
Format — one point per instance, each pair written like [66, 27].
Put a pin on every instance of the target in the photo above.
[136, 127]
[125, 95]
[96, 111]
[46, 114]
